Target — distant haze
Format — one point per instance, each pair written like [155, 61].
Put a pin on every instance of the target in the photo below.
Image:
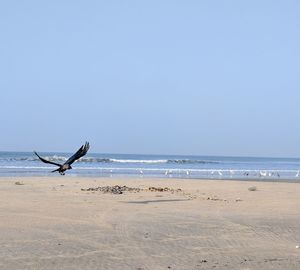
[153, 77]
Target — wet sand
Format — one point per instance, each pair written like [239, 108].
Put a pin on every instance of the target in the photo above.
[51, 223]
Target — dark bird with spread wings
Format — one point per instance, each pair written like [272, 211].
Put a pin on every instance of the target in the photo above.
[67, 165]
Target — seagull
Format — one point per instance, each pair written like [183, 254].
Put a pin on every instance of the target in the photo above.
[262, 174]
[67, 165]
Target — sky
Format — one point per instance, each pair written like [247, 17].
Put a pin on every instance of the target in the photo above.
[151, 77]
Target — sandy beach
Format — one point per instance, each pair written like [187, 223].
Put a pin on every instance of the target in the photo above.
[65, 223]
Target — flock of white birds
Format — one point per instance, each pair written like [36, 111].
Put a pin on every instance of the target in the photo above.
[213, 173]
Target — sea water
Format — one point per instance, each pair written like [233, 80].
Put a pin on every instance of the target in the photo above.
[109, 165]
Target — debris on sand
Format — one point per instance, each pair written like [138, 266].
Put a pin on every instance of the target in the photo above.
[214, 198]
[161, 189]
[252, 188]
[113, 189]
[121, 189]
[19, 183]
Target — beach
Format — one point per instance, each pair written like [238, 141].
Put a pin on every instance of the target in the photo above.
[70, 223]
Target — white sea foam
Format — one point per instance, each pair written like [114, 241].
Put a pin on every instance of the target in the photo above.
[138, 160]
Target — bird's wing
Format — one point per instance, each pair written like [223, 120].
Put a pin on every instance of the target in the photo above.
[80, 153]
[47, 161]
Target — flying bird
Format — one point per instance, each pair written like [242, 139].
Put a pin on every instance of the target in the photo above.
[67, 165]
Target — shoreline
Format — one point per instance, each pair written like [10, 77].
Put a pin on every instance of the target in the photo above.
[66, 223]
[154, 178]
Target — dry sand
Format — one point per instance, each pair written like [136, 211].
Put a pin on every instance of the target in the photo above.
[50, 223]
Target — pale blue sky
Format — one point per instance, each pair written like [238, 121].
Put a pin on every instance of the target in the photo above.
[157, 77]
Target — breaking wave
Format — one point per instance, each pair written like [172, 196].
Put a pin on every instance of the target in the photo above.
[114, 160]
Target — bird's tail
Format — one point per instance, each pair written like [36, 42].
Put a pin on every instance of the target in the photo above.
[55, 170]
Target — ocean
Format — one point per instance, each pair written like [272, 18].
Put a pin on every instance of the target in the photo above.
[130, 165]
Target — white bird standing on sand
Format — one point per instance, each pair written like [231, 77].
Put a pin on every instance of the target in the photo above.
[262, 174]
[297, 175]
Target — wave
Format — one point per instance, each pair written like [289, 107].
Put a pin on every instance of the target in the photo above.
[50, 158]
[114, 160]
[145, 161]
[259, 172]
[192, 161]
[138, 160]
